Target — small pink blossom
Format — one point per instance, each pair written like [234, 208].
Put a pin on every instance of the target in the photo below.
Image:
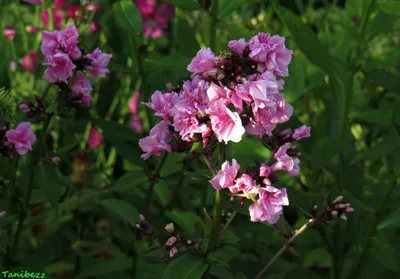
[13, 66]
[32, 29]
[99, 63]
[269, 206]
[60, 68]
[22, 137]
[302, 132]
[226, 176]
[30, 61]
[152, 28]
[146, 7]
[226, 124]
[163, 13]
[81, 85]
[136, 123]
[95, 138]
[134, 103]
[261, 92]
[171, 241]
[2, 214]
[157, 141]
[73, 11]
[58, 17]
[237, 46]
[93, 8]
[69, 42]
[173, 251]
[265, 170]
[203, 61]
[94, 27]
[285, 162]
[163, 103]
[9, 33]
[244, 184]
[58, 4]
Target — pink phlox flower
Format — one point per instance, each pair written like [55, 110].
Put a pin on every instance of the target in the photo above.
[60, 68]
[285, 162]
[162, 103]
[226, 124]
[237, 46]
[98, 64]
[244, 184]
[21, 137]
[226, 176]
[95, 138]
[269, 205]
[204, 61]
[302, 132]
[9, 33]
[157, 141]
[146, 7]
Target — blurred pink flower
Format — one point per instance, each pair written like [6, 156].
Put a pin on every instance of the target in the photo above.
[30, 61]
[10, 33]
[146, 7]
[95, 138]
[13, 66]
[202, 62]
[171, 241]
[2, 214]
[81, 85]
[237, 46]
[136, 123]
[60, 68]
[302, 132]
[34, 1]
[73, 10]
[173, 251]
[58, 4]
[226, 176]
[163, 13]
[94, 27]
[58, 16]
[93, 8]
[22, 137]
[134, 103]
[32, 29]
[99, 63]
[157, 141]
[269, 205]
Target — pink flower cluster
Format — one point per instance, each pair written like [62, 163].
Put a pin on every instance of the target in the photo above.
[22, 138]
[155, 17]
[68, 64]
[95, 138]
[256, 183]
[227, 95]
[136, 123]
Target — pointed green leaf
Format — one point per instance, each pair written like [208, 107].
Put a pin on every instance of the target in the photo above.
[186, 267]
[128, 16]
[390, 222]
[121, 208]
[48, 178]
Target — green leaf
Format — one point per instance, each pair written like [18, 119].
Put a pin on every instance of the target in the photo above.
[220, 271]
[186, 267]
[113, 130]
[58, 266]
[127, 151]
[106, 267]
[323, 151]
[383, 116]
[390, 222]
[163, 192]
[385, 79]
[299, 273]
[199, 175]
[186, 43]
[48, 178]
[129, 181]
[184, 4]
[306, 40]
[376, 152]
[385, 254]
[390, 7]
[121, 208]
[224, 254]
[128, 16]
[318, 257]
[186, 220]
[295, 85]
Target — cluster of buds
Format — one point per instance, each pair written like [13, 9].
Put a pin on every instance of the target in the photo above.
[68, 65]
[31, 110]
[335, 209]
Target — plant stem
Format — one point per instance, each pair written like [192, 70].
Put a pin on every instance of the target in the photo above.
[36, 154]
[153, 183]
[214, 23]
[284, 247]
[228, 223]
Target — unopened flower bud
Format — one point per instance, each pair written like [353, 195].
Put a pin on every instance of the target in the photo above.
[334, 213]
[138, 226]
[170, 227]
[141, 218]
[56, 160]
[344, 217]
[338, 199]
[188, 242]
[171, 241]
[2, 214]
[173, 251]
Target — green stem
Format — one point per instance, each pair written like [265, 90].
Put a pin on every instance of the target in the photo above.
[153, 183]
[214, 24]
[34, 161]
[284, 247]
